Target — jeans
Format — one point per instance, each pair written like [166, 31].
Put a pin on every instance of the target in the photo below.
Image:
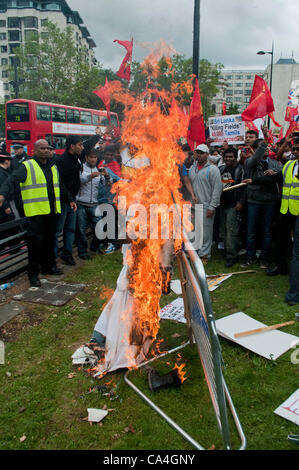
[66, 224]
[229, 231]
[293, 292]
[86, 215]
[259, 215]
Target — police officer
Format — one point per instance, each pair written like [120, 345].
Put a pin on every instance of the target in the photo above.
[42, 193]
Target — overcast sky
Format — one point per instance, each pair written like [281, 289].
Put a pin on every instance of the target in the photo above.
[232, 31]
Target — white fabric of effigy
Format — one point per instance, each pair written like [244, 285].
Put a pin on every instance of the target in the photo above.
[115, 323]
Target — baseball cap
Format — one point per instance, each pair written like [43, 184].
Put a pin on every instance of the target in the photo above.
[18, 145]
[203, 148]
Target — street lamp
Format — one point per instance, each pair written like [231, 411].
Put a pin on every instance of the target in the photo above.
[271, 70]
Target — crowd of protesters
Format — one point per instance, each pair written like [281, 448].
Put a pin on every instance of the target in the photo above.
[263, 207]
[249, 195]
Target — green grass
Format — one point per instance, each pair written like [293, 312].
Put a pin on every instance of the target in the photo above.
[38, 399]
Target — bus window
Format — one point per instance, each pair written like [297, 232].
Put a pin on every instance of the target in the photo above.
[95, 119]
[49, 138]
[105, 121]
[73, 116]
[43, 113]
[18, 135]
[17, 112]
[58, 114]
[85, 117]
[59, 141]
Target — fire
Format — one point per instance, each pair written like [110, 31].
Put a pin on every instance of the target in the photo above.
[181, 372]
[152, 129]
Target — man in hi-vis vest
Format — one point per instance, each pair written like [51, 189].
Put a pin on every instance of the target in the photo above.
[42, 193]
[288, 177]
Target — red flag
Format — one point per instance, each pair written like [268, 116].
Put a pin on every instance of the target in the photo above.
[261, 102]
[280, 134]
[103, 93]
[293, 127]
[250, 126]
[291, 113]
[271, 116]
[196, 130]
[223, 108]
[125, 67]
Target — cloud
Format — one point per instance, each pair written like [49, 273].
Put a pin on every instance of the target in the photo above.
[232, 31]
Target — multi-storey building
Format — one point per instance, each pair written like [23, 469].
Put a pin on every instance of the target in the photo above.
[285, 76]
[23, 19]
[239, 85]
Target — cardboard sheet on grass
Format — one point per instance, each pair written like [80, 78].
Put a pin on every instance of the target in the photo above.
[290, 408]
[270, 344]
[50, 293]
[213, 283]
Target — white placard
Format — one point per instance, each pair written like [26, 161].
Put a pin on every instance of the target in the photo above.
[174, 311]
[228, 128]
[290, 408]
[269, 344]
[68, 128]
[213, 283]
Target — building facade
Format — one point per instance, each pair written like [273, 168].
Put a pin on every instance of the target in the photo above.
[285, 76]
[239, 85]
[24, 19]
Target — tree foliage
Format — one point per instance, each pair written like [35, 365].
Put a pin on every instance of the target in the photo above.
[54, 70]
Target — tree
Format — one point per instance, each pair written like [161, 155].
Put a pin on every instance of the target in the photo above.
[178, 72]
[233, 109]
[2, 120]
[54, 70]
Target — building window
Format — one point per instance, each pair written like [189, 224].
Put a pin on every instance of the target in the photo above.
[229, 100]
[249, 77]
[14, 35]
[51, 6]
[6, 86]
[31, 35]
[14, 23]
[3, 49]
[238, 100]
[238, 92]
[2, 36]
[73, 116]
[229, 77]
[44, 22]
[25, 3]
[239, 85]
[247, 92]
[229, 92]
[4, 73]
[248, 84]
[239, 77]
[4, 61]
[30, 22]
[2, 24]
[44, 36]
[13, 47]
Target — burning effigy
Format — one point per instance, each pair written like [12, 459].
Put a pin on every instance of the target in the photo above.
[129, 323]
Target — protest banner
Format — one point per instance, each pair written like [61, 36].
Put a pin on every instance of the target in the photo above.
[228, 128]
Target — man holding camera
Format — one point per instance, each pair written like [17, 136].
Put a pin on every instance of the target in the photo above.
[87, 200]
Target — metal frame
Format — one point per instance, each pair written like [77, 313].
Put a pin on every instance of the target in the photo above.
[202, 324]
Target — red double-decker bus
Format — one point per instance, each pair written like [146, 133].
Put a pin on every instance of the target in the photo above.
[27, 121]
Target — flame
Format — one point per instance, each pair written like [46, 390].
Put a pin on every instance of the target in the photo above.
[151, 131]
[181, 372]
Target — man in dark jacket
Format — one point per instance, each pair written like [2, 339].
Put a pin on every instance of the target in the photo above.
[41, 209]
[231, 204]
[6, 213]
[262, 201]
[70, 165]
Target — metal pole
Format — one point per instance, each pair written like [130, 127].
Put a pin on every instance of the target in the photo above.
[196, 38]
[271, 73]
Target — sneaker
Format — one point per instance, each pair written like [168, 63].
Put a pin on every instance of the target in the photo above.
[34, 281]
[220, 246]
[69, 260]
[264, 264]
[85, 257]
[249, 262]
[243, 251]
[258, 253]
[110, 248]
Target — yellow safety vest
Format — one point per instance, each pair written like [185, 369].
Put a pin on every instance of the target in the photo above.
[290, 190]
[34, 190]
